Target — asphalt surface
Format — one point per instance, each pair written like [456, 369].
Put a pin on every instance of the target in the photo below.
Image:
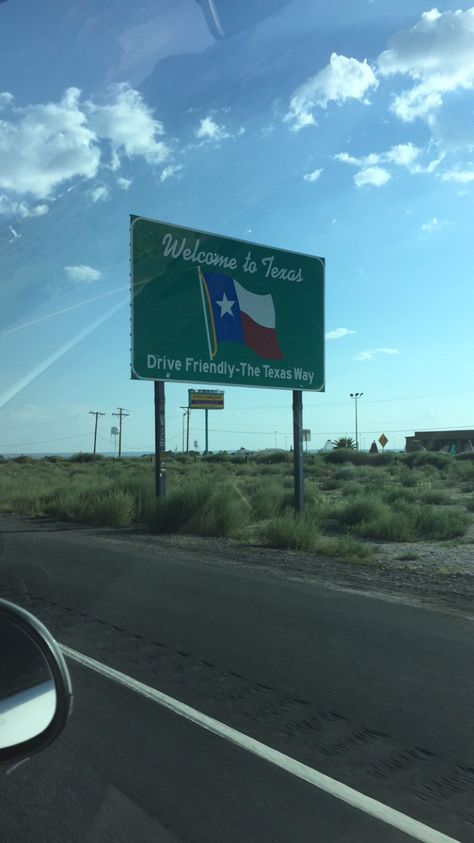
[371, 692]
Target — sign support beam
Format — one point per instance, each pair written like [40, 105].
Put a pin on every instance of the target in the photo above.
[160, 439]
[298, 466]
[207, 431]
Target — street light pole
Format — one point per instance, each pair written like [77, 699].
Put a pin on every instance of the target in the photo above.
[356, 396]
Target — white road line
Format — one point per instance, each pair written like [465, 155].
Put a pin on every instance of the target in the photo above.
[416, 830]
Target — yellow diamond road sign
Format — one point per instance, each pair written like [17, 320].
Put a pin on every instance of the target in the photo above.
[383, 440]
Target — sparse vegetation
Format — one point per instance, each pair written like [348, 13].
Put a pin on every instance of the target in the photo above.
[352, 498]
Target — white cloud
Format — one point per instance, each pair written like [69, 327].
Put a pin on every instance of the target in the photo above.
[128, 123]
[209, 130]
[376, 176]
[314, 176]
[99, 194]
[432, 225]
[21, 209]
[403, 154]
[44, 145]
[372, 353]
[34, 211]
[124, 184]
[342, 79]
[437, 54]
[170, 171]
[5, 99]
[458, 175]
[338, 333]
[82, 274]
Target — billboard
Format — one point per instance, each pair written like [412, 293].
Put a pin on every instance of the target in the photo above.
[212, 309]
[206, 399]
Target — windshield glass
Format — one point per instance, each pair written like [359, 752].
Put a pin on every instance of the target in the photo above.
[236, 306]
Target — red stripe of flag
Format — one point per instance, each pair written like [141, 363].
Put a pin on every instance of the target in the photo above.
[261, 340]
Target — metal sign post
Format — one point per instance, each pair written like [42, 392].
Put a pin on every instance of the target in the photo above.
[206, 399]
[306, 437]
[298, 450]
[160, 439]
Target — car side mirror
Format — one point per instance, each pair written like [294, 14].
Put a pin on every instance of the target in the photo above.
[35, 687]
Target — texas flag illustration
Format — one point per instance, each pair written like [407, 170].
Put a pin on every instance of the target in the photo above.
[234, 314]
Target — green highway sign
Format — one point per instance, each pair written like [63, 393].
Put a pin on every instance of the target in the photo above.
[211, 309]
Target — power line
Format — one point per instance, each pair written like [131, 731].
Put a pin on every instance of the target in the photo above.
[368, 401]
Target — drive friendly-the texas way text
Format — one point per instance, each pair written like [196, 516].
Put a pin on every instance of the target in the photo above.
[190, 365]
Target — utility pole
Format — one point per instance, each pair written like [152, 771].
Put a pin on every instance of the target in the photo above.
[356, 396]
[96, 414]
[122, 413]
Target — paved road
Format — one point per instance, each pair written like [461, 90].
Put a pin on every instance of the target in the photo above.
[371, 692]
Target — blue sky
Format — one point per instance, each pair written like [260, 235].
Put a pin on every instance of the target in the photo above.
[344, 132]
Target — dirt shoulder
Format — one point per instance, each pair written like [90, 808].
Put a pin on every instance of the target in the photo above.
[434, 574]
[440, 576]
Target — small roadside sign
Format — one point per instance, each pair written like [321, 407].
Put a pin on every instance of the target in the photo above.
[383, 440]
[206, 399]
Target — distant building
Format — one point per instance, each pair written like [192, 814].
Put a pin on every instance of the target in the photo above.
[452, 441]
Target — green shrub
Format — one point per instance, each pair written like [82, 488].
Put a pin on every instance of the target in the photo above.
[399, 493]
[267, 498]
[465, 456]
[104, 507]
[408, 479]
[352, 488]
[383, 458]
[386, 525]
[439, 523]
[362, 508]
[436, 458]
[202, 508]
[273, 457]
[219, 456]
[330, 484]
[436, 496]
[288, 531]
[345, 455]
[345, 472]
[86, 457]
[347, 548]
[27, 502]
[469, 503]
[224, 514]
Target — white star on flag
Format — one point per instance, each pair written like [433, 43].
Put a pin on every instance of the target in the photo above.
[225, 305]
